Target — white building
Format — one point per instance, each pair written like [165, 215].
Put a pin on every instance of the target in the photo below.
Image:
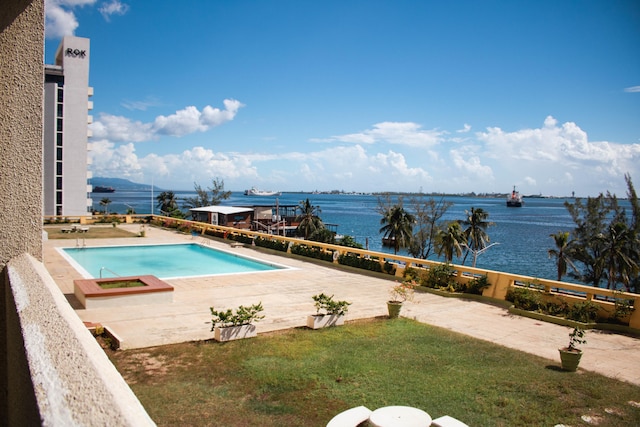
[66, 119]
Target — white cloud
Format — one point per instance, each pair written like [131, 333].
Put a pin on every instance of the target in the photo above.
[556, 158]
[61, 20]
[198, 164]
[465, 129]
[566, 144]
[182, 122]
[469, 164]
[141, 105]
[556, 152]
[632, 89]
[114, 7]
[401, 133]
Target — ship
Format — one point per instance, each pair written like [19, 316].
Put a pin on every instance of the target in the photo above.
[253, 191]
[514, 200]
[101, 189]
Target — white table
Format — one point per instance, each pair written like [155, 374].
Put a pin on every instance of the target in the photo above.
[399, 416]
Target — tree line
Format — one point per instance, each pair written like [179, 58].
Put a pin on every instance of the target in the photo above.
[603, 249]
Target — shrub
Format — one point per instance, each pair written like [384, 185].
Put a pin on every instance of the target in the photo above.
[410, 274]
[557, 309]
[389, 268]
[312, 252]
[622, 308]
[271, 244]
[440, 277]
[328, 305]
[371, 264]
[242, 316]
[585, 312]
[402, 292]
[525, 299]
[477, 285]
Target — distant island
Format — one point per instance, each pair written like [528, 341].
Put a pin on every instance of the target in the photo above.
[121, 184]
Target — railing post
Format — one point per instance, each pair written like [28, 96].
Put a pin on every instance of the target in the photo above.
[634, 319]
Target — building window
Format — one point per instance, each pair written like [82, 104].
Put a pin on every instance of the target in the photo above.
[59, 183]
[60, 94]
[59, 139]
[60, 110]
[59, 153]
[59, 210]
[58, 197]
[59, 125]
[58, 168]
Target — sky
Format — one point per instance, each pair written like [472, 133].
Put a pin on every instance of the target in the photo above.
[362, 95]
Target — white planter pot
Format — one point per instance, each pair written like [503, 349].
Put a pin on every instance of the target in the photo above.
[229, 333]
[317, 321]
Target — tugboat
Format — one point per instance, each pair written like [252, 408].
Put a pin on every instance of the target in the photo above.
[514, 200]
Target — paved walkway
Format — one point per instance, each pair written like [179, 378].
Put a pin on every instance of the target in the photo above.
[286, 297]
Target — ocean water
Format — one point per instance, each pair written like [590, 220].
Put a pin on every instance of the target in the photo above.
[522, 234]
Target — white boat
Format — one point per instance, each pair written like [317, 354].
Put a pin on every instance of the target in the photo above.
[253, 191]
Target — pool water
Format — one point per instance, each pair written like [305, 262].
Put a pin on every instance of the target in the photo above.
[162, 261]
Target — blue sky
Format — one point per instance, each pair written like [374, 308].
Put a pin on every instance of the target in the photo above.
[364, 95]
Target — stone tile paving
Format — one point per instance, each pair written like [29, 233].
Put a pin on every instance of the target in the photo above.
[286, 297]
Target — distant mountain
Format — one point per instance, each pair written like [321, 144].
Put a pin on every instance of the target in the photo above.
[121, 184]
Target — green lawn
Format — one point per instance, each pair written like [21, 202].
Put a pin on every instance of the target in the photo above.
[102, 231]
[302, 377]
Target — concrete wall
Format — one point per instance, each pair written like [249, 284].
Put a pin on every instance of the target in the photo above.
[52, 371]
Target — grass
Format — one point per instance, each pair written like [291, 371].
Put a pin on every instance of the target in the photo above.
[95, 232]
[302, 377]
[121, 284]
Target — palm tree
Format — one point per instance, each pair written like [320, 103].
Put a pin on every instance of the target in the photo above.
[397, 226]
[309, 221]
[562, 253]
[475, 233]
[449, 241]
[105, 202]
[167, 202]
[620, 254]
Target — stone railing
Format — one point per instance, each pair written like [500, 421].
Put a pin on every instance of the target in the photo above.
[500, 282]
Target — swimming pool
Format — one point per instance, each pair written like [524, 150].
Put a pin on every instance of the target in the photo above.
[164, 261]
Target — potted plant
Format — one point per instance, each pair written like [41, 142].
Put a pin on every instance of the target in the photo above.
[228, 325]
[570, 355]
[329, 312]
[399, 294]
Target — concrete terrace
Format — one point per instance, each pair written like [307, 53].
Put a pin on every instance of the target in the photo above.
[286, 297]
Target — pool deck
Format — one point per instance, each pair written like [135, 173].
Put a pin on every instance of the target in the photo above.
[286, 297]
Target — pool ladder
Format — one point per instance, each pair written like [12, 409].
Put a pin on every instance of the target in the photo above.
[110, 271]
[78, 245]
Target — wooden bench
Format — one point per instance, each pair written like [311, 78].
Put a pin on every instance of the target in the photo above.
[66, 230]
[351, 417]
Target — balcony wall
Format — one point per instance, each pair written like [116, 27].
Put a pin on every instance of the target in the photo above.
[52, 371]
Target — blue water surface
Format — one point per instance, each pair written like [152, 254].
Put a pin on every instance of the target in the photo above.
[522, 234]
[163, 261]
